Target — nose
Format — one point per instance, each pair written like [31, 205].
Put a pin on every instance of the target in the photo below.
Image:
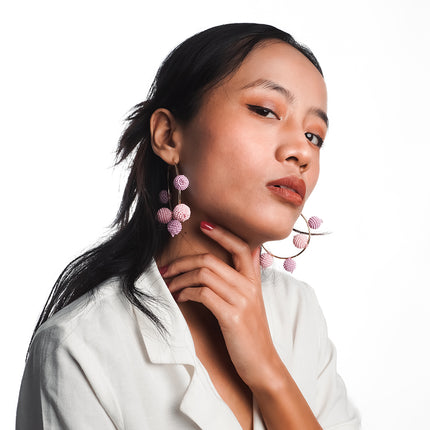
[295, 148]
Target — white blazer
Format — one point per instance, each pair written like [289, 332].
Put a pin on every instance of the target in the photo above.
[100, 363]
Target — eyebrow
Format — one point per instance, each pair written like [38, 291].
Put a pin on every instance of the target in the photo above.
[268, 84]
[265, 83]
[320, 114]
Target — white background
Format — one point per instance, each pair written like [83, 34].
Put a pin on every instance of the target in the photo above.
[71, 71]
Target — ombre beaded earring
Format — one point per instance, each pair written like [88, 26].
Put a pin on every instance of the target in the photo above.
[300, 241]
[181, 212]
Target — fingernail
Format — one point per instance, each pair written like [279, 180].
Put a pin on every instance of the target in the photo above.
[207, 225]
[163, 270]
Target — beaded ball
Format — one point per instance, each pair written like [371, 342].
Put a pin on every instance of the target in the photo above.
[174, 227]
[266, 260]
[181, 212]
[289, 265]
[181, 182]
[164, 215]
[163, 196]
[300, 241]
[315, 222]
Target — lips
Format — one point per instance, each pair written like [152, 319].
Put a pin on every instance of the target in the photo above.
[291, 188]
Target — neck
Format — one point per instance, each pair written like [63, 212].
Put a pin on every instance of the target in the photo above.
[191, 241]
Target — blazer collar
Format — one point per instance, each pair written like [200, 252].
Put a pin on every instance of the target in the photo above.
[201, 402]
[176, 346]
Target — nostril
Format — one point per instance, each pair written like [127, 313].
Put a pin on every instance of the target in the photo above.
[292, 158]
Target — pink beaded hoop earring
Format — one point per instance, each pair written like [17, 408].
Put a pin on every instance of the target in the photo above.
[181, 212]
[300, 241]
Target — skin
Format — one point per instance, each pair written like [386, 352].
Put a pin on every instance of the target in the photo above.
[230, 151]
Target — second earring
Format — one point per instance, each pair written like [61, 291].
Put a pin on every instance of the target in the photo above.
[181, 212]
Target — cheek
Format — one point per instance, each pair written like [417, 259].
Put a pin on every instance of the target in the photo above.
[219, 166]
[217, 144]
[313, 175]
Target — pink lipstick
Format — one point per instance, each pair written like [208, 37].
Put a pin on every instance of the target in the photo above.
[291, 188]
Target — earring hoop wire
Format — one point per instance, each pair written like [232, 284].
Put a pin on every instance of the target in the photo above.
[169, 193]
[301, 251]
[179, 190]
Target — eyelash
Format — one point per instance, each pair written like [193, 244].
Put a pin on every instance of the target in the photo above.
[262, 111]
[309, 136]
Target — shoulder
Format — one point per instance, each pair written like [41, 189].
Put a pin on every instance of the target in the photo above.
[86, 321]
[70, 362]
[282, 289]
[299, 331]
[293, 311]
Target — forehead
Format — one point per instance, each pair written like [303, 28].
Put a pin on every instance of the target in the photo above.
[284, 65]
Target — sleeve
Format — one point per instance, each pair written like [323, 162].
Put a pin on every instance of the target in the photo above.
[56, 392]
[334, 410]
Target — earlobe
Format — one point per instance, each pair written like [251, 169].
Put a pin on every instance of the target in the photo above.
[164, 139]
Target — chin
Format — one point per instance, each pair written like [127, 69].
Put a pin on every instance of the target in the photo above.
[258, 234]
[278, 235]
[271, 227]
[280, 226]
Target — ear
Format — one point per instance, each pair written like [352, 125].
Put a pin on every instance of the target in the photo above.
[165, 136]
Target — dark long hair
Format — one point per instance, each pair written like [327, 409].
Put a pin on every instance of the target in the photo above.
[189, 71]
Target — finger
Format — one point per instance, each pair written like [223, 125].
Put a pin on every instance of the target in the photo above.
[194, 262]
[208, 298]
[204, 277]
[238, 248]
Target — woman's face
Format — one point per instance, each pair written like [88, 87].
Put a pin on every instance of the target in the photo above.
[254, 140]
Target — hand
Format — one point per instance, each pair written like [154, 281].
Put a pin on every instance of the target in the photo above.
[234, 296]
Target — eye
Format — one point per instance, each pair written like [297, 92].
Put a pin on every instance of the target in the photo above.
[262, 111]
[315, 139]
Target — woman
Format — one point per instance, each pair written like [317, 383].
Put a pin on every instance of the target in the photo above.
[178, 327]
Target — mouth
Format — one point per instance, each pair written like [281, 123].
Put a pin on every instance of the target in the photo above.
[291, 188]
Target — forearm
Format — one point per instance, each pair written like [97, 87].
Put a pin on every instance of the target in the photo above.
[281, 403]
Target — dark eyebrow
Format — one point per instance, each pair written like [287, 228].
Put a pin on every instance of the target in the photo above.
[320, 114]
[266, 83]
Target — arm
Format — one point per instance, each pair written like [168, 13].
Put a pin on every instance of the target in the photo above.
[281, 403]
[234, 296]
[331, 405]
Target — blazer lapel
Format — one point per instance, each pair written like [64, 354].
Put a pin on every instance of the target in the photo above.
[201, 402]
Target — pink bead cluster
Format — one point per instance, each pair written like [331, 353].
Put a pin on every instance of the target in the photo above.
[299, 240]
[181, 212]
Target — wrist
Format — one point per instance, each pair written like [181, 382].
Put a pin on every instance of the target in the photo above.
[273, 378]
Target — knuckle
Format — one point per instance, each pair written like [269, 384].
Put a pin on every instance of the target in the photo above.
[242, 302]
[242, 247]
[207, 259]
[204, 293]
[203, 273]
[235, 318]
